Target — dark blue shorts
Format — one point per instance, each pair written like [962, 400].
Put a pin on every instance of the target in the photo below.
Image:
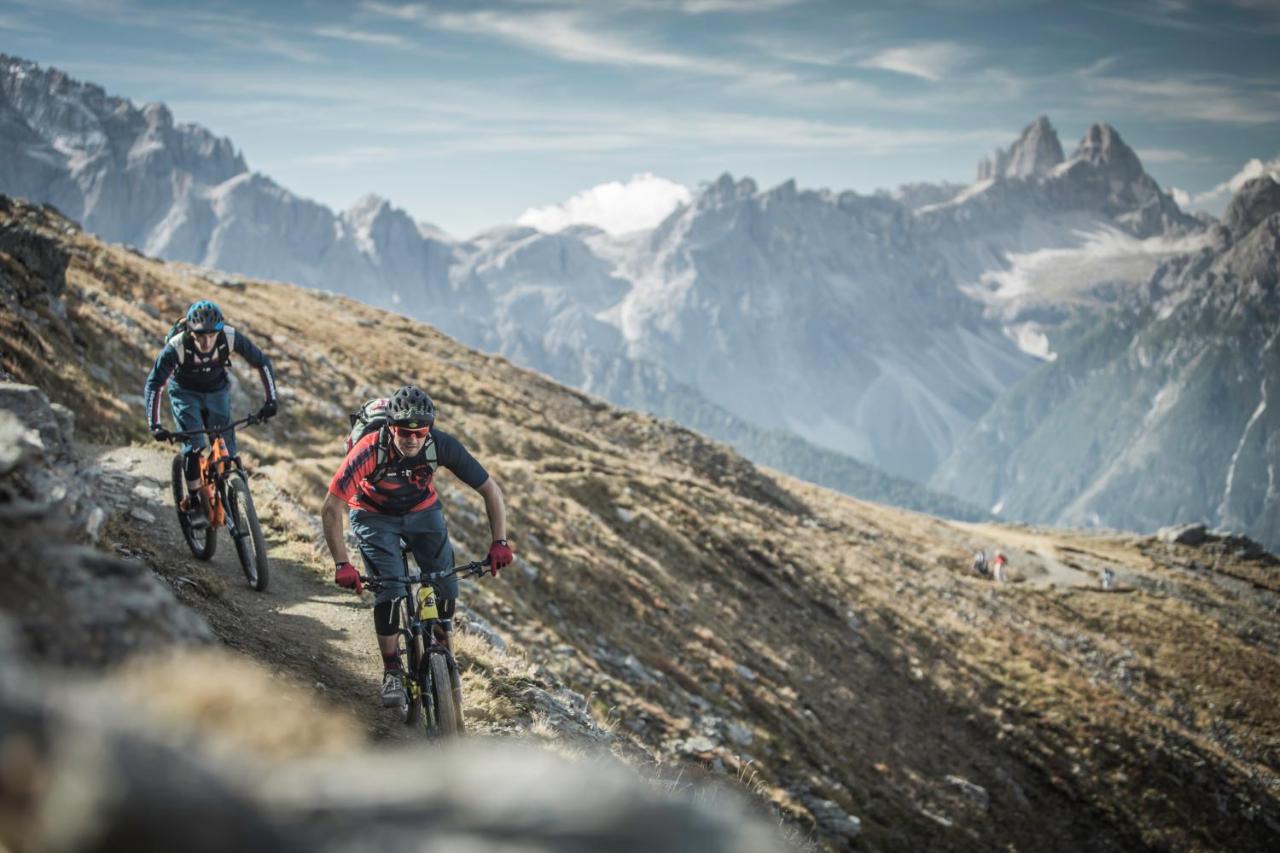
[199, 409]
[380, 535]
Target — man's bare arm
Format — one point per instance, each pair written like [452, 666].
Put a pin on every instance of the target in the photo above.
[331, 517]
[495, 507]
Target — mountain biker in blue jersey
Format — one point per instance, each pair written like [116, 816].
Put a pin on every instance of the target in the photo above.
[386, 484]
[193, 364]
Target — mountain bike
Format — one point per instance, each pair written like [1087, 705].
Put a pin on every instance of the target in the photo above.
[227, 502]
[433, 686]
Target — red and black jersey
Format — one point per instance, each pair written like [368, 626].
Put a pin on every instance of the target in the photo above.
[401, 485]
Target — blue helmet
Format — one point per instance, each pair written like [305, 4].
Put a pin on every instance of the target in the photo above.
[204, 316]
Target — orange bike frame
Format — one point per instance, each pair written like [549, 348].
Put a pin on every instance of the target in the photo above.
[218, 463]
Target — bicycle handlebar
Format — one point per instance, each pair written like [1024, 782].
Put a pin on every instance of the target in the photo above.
[473, 569]
[251, 420]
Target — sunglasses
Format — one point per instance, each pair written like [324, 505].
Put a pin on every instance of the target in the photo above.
[405, 432]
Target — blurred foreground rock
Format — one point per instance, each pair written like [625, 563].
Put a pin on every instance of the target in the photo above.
[72, 604]
[80, 772]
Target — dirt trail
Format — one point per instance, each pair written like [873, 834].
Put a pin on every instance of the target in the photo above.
[1037, 558]
[302, 627]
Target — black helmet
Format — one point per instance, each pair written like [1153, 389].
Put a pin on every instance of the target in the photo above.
[411, 407]
[204, 316]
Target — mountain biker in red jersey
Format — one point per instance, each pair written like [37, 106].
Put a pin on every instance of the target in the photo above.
[386, 483]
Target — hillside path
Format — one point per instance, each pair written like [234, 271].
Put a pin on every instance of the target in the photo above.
[302, 626]
[1032, 556]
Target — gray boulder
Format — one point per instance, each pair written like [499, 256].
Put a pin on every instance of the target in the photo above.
[1184, 534]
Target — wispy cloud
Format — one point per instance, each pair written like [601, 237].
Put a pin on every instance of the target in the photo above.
[565, 35]
[1210, 98]
[928, 60]
[17, 23]
[703, 7]
[1168, 155]
[360, 36]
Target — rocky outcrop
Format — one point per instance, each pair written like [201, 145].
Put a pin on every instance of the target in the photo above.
[1034, 155]
[1256, 200]
[71, 604]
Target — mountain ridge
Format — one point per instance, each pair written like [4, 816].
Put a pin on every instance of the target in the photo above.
[873, 330]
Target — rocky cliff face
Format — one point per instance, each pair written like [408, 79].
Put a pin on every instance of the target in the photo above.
[1165, 410]
[1034, 155]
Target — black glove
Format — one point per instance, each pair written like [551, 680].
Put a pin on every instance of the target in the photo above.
[268, 410]
[159, 433]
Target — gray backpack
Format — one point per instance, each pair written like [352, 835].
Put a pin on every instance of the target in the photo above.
[372, 417]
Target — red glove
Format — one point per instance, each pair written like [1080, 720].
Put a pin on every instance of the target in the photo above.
[500, 556]
[345, 575]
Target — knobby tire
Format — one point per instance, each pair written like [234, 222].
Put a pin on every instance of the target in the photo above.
[201, 542]
[442, 692]
[251, 546]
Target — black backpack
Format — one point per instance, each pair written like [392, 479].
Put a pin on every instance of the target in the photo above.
[371, 417]
[223, 346]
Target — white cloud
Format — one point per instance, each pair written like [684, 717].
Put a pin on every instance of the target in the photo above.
[360, 36]
[563, 34]
[1219, 195]
[928, 60]
[702, 7]
[1181, 197]
[1165, 155]
[1211, 98]
[641, 202]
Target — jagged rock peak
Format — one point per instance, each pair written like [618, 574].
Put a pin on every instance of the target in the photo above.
[366, 207]
[1035, 153]
[1256, 200]
[726, 188]
[1103, 147]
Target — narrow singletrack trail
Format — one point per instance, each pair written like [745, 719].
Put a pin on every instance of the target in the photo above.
[302, 627]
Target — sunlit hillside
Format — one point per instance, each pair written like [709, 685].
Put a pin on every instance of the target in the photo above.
[676, 605]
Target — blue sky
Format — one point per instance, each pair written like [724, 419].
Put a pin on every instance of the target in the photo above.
[467, 114]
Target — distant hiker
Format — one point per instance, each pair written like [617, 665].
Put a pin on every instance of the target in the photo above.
[1108, 578]
[980, 563]
[194, 363]
[998, 567]
[386, 484]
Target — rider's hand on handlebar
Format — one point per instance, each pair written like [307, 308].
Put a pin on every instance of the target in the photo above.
[345, 575]
[159, 433]
[500, 556]
[267, 411]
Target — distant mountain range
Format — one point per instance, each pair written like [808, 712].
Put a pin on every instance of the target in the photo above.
[819, 332]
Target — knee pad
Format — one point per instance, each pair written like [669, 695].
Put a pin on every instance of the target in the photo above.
[386, 618]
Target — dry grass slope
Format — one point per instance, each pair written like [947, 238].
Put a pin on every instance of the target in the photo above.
[832, 656]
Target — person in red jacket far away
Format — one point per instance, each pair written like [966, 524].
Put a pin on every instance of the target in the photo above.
[998, 567]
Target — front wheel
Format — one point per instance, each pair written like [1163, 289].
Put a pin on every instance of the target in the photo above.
[246, 532]
[410, 658]
[446, 714]
[202, 542]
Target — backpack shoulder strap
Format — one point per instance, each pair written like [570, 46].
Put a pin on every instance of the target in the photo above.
[433, 460]
[226, 340]
[382, 460]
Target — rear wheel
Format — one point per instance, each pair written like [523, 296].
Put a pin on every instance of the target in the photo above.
[251, 547]
[202, 542]
[446, 717]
